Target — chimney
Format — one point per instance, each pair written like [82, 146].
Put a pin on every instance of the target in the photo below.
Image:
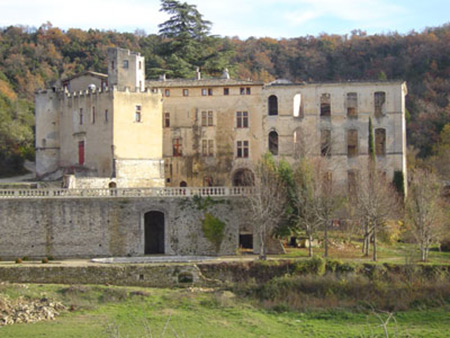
[226, 74]
[198, 74]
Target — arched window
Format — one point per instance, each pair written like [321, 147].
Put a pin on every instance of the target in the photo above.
[297, 145]
[273, 105]
[183, 184]
[273, 142]
[243, 178]
[297, 109]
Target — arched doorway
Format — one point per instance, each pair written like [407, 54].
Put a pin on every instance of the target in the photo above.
[273, 142]
[183, 184]
[154, 232]
[243, 178]
[112, 185]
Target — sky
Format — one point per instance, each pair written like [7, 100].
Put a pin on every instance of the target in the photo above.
[242, 18]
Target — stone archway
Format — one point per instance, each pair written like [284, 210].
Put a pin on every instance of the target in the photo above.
[154, 232]
[243, 178]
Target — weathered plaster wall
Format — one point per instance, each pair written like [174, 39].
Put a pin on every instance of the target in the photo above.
[93, 227]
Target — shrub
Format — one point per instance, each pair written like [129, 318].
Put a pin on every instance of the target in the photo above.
[445, 244]
[25, 258]
[50, 258]
[45, 260]
[18, 260]
[333, 265]
[315, 265]
[213, 229]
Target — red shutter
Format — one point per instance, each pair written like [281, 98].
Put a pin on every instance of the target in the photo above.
[81, 153]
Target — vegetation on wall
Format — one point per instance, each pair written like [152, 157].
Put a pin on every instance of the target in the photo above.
[213, 229]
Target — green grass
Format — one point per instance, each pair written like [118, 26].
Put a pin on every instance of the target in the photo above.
[202, 313]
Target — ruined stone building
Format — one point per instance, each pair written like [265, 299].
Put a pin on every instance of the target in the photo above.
[119, 130]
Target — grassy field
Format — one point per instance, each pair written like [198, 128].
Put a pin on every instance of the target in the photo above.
[106, 311]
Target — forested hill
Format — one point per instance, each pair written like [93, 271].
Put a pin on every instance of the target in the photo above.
[31, 58]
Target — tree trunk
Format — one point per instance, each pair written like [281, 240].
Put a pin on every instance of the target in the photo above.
[310, 252]
[325, 238]
[374, 236]
[262, 246]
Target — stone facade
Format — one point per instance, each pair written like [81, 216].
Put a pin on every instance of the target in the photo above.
[113, 226]
[203, 132]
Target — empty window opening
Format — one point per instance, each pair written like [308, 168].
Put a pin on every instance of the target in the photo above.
[166, 120]
[140, 65]
[352, 104]
[210, 118]
[125, 63]
[185, 92]
[138, 114]
[273, 105]
[352, 143]
[325, 142]
[210, 91]
[297, 108]
[106, 115]
[380, 142]
[380, 100]
[325, 105]
[246, 241]
[167, 92]
[177, 147]
[183, 184]
[273, 142]
[112, 185]
[154, 232]
[242, 149]
[204, 92]
[226, 91]
[248, 91]
[352, 176]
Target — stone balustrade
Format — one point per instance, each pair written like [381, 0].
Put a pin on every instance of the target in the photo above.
[125, 192]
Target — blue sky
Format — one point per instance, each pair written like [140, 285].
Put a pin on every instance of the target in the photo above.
[243, 18]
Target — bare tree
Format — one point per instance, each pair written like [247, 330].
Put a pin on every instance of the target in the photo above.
[376, 201]
[315, 198]
[424, 210]
[268, 202]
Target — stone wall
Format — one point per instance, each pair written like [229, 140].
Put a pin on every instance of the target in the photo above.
[101, 227]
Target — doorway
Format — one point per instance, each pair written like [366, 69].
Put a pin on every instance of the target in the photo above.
[154, 232]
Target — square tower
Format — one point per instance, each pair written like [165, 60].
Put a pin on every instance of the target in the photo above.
[126, 69]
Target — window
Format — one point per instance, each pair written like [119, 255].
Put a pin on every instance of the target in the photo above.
[297, 108]
[352, 143]
[273, 142]
[245, 91]
[185, 92]
[140, 65]
[112, 65]
[242, 119]
[166, 120]
[207, 181]
[210, 118]
[325, 105]
[380, 142]
[325, 142]
[81, 152]
[204, 92]
[210, 91]
[226, 91]
[352, 104]
[138, 114]
[297, 147]
[242, 149]
[177, 147]
[125, 63]
[207, 147]
[379, 100]
[167, 92]
[273, 105]
[352, 176]
[204, 119]
[93, 115]
[106, 115]
[81, 116]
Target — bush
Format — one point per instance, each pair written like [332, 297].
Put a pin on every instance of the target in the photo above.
[315, 265]
[25, 258]
[45, 260]
[445, 244]
[333, 265]
[50, 258]
[18, 260]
